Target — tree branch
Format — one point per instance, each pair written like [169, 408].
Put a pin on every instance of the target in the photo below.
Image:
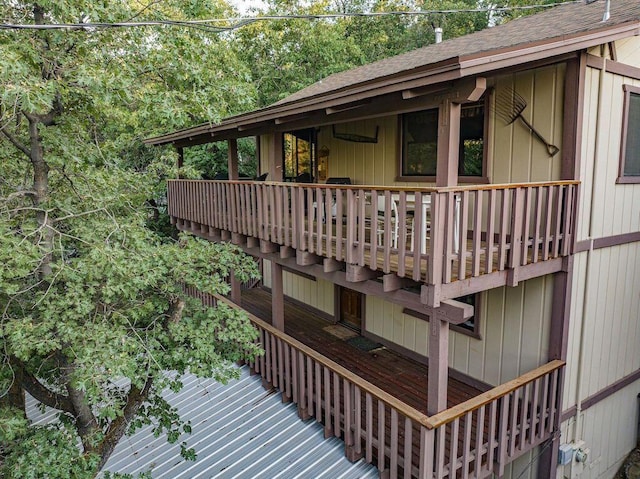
[42, 393]
[16, 143]
[118, 426]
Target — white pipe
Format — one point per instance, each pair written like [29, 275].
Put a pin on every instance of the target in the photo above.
[438, 32]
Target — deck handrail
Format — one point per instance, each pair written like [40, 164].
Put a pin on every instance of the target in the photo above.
[476, 438]
[485, 398]
[403, 408]
[421, 189]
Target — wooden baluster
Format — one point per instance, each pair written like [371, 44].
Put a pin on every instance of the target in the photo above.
[449, 228]
[491, 217]
[427, 445]
[515, 403]
[337, 430]
[557, 235]
[329, 219]
[296, 227]
[479, 440]
[301, 220]
[339, 221]
[373, 249]
[492, 443]
[547, 224]
[477, 234]
[318, 214]
[407, 450]
[441, 444]
[463, 221]
[524, 252]
[503, 232]
[516, 227]
[402, 244]
[317, 393]
[287, 396]
[351, 226]
[466, 444]
[544, 413]
[273, 218]
[310, 389]
[348, 416]
[418, 231]
[382, 434]
[362, 212]
[453, 448]
[503, 434]
[328, 429]
[369, 428]
[357, 403]
[394, 444]
[286, 212]
[279, 216]
[295, 375]
[309, 193]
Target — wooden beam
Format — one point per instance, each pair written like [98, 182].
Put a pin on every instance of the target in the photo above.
[238, 239]
[277, 297]
[232, 159]
[287, 252]
[253, 242]
[438, 364]
[290, 118]
[268, 247]
[448, 143]
[275, 158]
[357, 274]
[225, 235]
[304, 258]
[392, 282]
[329, 265]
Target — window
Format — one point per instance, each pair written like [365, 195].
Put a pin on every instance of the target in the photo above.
[420, 142]
[471, 327]
[300, 156]
[630, 151]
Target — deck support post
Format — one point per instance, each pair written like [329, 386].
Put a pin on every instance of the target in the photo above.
[275, 158]
[277, 296]
[236, 289]
[448, 141]
[232, 159]
[558, 346]
[438, 364]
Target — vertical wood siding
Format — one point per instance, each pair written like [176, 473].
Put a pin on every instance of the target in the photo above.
[317, 294]
[514, 328]
[607, 208]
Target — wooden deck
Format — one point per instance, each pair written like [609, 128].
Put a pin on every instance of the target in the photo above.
[400, 376]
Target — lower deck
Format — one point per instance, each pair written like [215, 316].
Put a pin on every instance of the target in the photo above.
[398, 375]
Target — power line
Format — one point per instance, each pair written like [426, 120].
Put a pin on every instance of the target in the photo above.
[233, 23]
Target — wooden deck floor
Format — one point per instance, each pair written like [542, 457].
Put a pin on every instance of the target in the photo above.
[398, 375]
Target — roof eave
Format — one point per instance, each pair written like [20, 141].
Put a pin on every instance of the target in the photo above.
[454, 68]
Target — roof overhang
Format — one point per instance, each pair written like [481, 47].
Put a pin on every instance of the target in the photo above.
[355, 100]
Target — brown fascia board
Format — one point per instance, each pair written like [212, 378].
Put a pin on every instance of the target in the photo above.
[447, 70]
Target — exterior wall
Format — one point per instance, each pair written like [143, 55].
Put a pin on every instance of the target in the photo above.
[604, 334]
[517, 155]
[514, 330]
[514, 154]
[318, 294]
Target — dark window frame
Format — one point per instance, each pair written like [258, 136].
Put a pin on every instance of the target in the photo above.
[628, 90]
[473, 333]
[309, 135]
[482, 179]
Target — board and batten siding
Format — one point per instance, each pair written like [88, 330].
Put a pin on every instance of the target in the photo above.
[606, 208]
[514, 329]
[514, 154]
[318, 294]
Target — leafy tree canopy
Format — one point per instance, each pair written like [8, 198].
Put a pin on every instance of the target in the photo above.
[89, 292]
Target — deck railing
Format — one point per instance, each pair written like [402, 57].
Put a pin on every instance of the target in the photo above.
[432, 235]
[473, 439]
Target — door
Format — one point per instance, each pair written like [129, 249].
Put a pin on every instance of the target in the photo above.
[351, 308]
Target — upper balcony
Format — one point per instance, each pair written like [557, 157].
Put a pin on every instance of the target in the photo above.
[454, 241]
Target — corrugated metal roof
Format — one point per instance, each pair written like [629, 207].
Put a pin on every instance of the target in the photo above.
[239, 431]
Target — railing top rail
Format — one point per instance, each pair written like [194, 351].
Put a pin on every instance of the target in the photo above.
[485, 398]
[412, 189]
[403, 408]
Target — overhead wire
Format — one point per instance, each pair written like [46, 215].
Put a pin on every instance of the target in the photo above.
[233, 23]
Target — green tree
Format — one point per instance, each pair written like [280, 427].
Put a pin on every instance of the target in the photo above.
[88, 292]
